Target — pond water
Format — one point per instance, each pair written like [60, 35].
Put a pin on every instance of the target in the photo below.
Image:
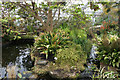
[16, 57]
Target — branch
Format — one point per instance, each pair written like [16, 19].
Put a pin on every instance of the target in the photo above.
[42, 10]
[58, 17]
[31, 12]
[54, 13]
[49, 14]
[48, 17]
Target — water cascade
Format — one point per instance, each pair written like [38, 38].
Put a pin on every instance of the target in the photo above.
[88, 71]
[16, 59]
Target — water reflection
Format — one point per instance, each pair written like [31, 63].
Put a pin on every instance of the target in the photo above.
[2, 71]
[16, 55]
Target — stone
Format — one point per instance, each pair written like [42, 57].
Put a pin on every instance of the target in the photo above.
[41, 62]
[33, 76]
[23, 33]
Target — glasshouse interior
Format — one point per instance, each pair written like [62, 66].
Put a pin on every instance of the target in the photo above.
[60, 40]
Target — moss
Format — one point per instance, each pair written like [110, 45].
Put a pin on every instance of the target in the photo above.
[57, 71]
[27, 37]
[69, 63]
[73, 57]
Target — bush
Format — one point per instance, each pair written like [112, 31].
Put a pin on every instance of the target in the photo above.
[73, 56]
[49, 43]
[9, 35]
[109, 50]
[79, 36]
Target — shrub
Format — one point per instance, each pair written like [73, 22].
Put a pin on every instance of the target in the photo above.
[73, 56]
[109, 50]
[48, 43]
[9, 34]
[79, 36]
[101, 73]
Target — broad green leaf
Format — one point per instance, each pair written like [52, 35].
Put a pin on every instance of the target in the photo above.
[3, 20]
[19, 75]
[19, 37]
[46, 56]
[117, 64]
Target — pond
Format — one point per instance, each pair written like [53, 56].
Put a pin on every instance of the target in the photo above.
[16, 55]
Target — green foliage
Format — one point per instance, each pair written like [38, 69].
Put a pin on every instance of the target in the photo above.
[109, 24]
[109, 50]
[9, 34]
[30, 28]
[72, 56]
[77, 17]
[100, 73]
[109, 14]
[22, 13]
[9, 31]
[50, 42]
[79, 36]
[94, 6]
[77, 25]
[27, 36]
[3, 20]
[19, 75]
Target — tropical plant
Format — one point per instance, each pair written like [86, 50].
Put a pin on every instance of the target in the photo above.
[8, 27]
[112, 8]
[100, 73]
[9, 34]
[109, 50]
[108, 27]
[48, 43]
[79, 36]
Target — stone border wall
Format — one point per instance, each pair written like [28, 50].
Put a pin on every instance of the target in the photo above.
[0, 37]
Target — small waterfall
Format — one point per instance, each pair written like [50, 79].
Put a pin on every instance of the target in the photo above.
[2, 71]
[88, 71]
[93, 54]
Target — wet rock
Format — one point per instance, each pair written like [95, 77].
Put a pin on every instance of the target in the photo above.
[27, 72]
[12, 71]
[2, 72]
[60, 73]
[33, 76]
[41, 62]
[56, 71]
[87, 73]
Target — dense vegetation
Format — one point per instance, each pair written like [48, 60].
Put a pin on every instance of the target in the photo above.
[65, 42]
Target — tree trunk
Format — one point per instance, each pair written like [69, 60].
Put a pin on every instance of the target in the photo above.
[119, 24]
[119, 17]
[49, 19]
[47, 25]
[119, 21]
